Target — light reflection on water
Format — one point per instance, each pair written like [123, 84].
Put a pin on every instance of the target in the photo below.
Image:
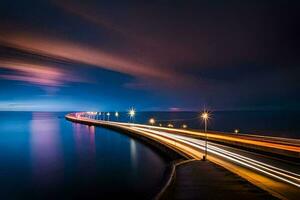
[133, 153]
[43, 156]
[84, 138]
[45, 146]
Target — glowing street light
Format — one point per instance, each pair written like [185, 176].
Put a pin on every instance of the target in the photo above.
[117, 115]
[170, 125]
[236, 131]
[152, 121]
[205, 117]
[108, 114]
[131, 113]
[184, 126]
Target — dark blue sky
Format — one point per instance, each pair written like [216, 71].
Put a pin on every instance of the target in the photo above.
[163, 55]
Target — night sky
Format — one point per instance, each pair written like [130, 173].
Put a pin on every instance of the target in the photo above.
[164, 55]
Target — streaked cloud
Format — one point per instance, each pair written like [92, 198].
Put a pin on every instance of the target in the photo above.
[80, 53]
[36, 74]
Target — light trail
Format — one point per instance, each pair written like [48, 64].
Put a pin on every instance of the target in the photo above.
[248, 159]
[250, 163]
[251, 140]
[267, 173]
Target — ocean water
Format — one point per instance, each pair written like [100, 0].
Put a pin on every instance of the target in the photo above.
[44, 156]
[270, 123]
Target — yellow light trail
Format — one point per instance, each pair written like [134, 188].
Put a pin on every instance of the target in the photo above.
[256, 165]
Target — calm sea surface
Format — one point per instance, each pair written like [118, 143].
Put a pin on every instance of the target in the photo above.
[43, 156]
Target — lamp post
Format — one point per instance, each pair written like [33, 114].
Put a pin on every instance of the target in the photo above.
[117, 115]
[108, 114]
[152, 121]
[170, 125]
[131, 114]
[205, 117]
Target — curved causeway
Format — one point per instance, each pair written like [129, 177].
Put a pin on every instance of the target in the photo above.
[280, 178]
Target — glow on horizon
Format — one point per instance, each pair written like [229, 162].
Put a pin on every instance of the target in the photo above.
[44, 106]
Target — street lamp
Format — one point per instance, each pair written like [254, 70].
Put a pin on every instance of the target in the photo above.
[170, 125]
[117, 115]
[152, 121]
[108, 114]
[236, 131]
[205, 117]
[131, 114]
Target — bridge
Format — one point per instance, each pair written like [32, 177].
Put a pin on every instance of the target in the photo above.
[270, 163]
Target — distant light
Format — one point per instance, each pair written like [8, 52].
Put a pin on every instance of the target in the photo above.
[108, 114]
[236, 131]
[152, 121]
[205, 115]
[160, 124]
[117, 114]
[170, 125]
[131, 112]
[184, 126]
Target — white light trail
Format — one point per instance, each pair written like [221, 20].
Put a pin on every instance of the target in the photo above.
[242, 160]
[264, 168]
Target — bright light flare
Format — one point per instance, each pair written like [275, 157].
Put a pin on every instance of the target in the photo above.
[152, 121]
[205, 115]
[131, 112]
